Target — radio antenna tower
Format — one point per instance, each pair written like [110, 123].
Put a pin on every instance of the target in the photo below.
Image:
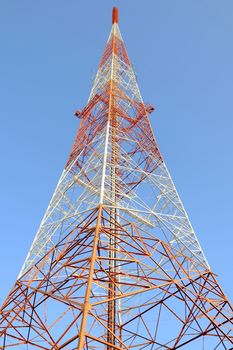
[115, 263]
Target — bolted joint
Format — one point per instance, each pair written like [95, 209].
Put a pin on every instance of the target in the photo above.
[86, 306]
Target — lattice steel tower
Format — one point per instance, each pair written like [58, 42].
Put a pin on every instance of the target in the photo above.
[115, 263]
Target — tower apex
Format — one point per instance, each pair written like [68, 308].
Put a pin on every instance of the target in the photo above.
[115, 17]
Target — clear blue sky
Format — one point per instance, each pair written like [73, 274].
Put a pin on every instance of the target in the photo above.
[182, 51]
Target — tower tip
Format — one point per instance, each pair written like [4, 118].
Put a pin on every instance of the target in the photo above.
[115, 15]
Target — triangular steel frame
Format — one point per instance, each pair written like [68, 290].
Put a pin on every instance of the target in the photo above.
[116, 263]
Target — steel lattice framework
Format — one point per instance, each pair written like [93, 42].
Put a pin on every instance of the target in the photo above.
[115, 263]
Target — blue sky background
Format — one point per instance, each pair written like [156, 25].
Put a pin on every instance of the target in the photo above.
[182, 52]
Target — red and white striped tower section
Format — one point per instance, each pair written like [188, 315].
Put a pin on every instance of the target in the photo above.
[115, 263]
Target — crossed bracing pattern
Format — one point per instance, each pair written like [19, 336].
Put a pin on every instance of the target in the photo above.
[151, 284]
[115, 263]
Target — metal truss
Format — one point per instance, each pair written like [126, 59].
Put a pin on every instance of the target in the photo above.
[115, 263]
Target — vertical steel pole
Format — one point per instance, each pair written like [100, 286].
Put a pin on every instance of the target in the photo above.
[86, 304]
[113, 215]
